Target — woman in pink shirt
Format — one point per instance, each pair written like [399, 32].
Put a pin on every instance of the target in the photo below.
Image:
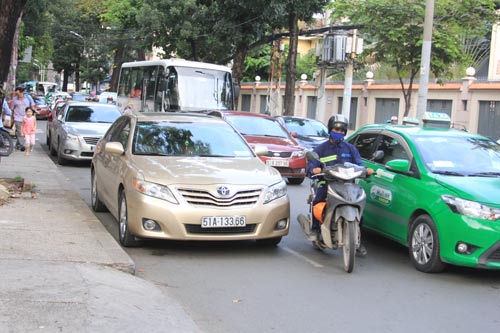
[28, 130]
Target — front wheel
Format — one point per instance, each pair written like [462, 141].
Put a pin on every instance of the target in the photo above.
[424, 245]
[60, 159]
[349, 247]
[97, 204]
[126, 238]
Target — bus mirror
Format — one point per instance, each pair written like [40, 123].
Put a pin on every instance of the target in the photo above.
[236, 90]
[163, 85]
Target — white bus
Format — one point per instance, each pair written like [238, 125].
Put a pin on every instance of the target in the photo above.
[174, 85]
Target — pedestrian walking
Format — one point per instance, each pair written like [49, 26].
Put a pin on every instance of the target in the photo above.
[19, 104]
[28, 130]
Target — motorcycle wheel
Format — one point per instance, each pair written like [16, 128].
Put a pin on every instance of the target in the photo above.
[349, 248]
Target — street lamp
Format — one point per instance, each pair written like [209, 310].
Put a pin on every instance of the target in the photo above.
[84, 53]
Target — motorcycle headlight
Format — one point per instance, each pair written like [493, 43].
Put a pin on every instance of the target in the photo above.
[275, 191]
[155, 190]
[299, 153]
[471, 208]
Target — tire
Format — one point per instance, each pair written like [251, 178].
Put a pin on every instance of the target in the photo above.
[60, 159]
[6, 143]
[295, 181]
[423, 245]
[269, 242]
[97, 204]
[126, 238]
[52, 150]
[349, 246]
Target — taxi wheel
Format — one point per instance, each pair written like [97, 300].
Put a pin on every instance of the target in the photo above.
[295, 181]
[423, 246]
[270, 242]
[126, 238]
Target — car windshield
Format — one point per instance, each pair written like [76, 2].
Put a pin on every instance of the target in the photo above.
[306, 127]
[39, 101]
[257, 126]
[187, 138]
[92, 114]
[460, 155]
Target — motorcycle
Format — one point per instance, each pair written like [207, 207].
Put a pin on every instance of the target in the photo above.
[341, 216]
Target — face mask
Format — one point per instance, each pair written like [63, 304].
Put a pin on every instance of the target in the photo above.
[337, 137]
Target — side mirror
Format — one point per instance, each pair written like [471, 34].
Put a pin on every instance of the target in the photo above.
[294, 134]
[312, 155]
[260, 150]
[115, 148]
[402, 166]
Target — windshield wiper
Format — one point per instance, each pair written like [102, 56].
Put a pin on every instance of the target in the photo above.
[485, 174]
[449, 173]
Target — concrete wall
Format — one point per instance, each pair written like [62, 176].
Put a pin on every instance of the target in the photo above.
[465, 97]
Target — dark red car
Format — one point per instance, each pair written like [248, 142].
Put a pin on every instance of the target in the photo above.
[285, 154]
[41, 107]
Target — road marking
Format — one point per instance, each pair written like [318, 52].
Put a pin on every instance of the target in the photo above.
[300, 256]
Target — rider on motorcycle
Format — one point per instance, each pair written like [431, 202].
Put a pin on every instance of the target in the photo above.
[334, 150]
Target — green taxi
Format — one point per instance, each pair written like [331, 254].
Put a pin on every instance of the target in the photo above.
[435, 190]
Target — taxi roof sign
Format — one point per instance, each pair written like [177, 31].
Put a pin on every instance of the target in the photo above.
[436, 119]
[410, 121]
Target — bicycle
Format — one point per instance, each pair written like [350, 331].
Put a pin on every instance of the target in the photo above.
[6, 142]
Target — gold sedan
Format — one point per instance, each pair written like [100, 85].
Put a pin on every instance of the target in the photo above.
[186, 177]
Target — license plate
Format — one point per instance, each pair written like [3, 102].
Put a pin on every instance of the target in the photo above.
[277, 163]
[223, 221]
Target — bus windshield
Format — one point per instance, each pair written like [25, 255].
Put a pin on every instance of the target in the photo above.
[173, 86]
[204, 89]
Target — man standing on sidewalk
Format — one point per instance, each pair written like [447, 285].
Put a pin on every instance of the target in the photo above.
[19, 104]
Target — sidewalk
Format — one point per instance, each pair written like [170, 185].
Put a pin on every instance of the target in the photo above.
[61, 271]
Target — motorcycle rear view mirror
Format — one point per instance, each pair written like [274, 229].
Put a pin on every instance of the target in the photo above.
[312, 155]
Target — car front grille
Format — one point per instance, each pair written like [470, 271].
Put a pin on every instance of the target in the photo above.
[91, 140]
[279, 154]
[197, 229]
[205, 198]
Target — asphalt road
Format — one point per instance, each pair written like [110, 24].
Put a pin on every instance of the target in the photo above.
[241, 287]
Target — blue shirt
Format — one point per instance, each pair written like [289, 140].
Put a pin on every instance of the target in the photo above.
[331, 154]
[5, 107]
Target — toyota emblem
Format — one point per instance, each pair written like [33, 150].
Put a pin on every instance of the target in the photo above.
[223, 191]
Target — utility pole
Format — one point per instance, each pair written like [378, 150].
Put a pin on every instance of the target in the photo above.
[351, 54]
[425, 59]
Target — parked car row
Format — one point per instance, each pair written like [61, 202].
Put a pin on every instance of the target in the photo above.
[201, 177]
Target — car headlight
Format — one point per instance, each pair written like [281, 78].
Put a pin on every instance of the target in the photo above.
[155, 190]
[275, 191]
[471, 208]
[72, 137]
[299, 153]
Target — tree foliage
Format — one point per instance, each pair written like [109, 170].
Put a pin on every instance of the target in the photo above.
[11, 12]
[396, 29]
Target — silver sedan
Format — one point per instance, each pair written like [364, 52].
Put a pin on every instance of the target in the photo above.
[77, 128]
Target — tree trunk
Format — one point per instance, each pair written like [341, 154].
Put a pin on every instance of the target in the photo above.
[238, 66]
[77, 77]
[11, 11]
[291, 61]
[117, 64]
